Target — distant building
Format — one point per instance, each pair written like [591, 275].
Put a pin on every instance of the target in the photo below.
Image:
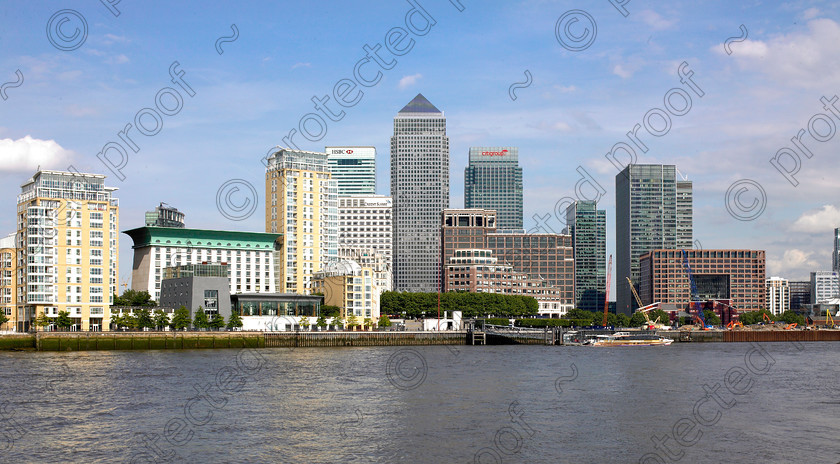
[463, 229]
[68, 249]
[165, 216]
[800, 294]
[653, 212]
[778, 295]
[350, 287]
[734, 277]
[477, 271]
[835, 257]
[353, 169]
[249, 256]
[301, 204]
[197, 285]
[365, 226]
[493, 180]
[420, 187]
[8, 281]
[378, 262]
[588, 227]
[825, 286]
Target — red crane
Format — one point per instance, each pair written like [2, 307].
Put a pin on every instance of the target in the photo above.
[607, 292]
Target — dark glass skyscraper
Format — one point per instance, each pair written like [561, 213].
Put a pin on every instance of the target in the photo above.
[588, 228]
[493, 180]
[653, 211]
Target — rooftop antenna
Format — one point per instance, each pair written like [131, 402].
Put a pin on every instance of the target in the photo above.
[684, 177]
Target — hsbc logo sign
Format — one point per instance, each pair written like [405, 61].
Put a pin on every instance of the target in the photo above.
[341, 152]
[494, 153]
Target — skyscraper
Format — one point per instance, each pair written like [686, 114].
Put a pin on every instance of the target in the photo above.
[301, 204]
[653, 211]
[835, 265]
[420, 190]
[493, 180]
[588, 228]
[67, 236]
[354, 169]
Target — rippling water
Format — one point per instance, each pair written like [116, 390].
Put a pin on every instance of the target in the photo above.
[425, 404]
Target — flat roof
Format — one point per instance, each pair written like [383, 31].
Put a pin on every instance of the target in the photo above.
[201, 238]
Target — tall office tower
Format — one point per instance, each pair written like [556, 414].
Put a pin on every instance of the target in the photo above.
[653, 211]
[420, 189]
[8, 281]
[353, 169]
[67, 232]
[835, 265]
[800, 294]
[301, 204]
[588, 228]
[493, 180]
[165, 216]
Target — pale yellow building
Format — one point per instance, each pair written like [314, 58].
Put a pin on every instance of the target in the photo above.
[350, 287]
[301, 204]
[8, 281]
[68, 226]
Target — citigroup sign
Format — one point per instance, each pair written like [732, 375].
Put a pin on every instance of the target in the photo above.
[494, 153]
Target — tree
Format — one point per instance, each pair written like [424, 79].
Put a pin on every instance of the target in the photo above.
[41, 320]
[622, 320]
[234, 321]
[200, 321]
[3, 318]
[321, 322]
[637, 319]
[368, 322]
[144, 319]
[63, 320]
[352, 321]
[161, 319]
[711, 318]
[181, 319]
[217, 322]
[330, 310]
[337, 322]
[304, 322]
[134, 298]
[790, 317]
[384, 321]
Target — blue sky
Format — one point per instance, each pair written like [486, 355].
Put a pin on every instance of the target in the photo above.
[580, 103]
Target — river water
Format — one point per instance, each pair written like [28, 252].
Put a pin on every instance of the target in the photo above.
[715, 402]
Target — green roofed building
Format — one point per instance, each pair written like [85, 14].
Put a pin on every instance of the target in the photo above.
[249, 256]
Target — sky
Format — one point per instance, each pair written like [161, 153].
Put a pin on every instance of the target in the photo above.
[718, 88]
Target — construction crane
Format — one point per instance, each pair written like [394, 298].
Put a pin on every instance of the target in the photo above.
[607, 292]
[644, 309]
[695, 298]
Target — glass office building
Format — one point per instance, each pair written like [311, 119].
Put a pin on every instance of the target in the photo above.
[353, 169]
[588, 228]
[653, 211]
[493, 180]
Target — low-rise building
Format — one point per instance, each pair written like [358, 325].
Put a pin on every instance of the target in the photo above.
[736, 277]
[197, 285]
[350, 287]
[478, 271]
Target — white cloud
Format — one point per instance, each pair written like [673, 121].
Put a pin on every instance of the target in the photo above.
[793, 262]
[821, 221]
[301, 65]
[27, 154]
[808, 59]
[619, 70]
[654, 20]
[811, 13]
[408, 81]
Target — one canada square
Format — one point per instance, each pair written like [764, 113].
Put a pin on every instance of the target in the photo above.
[420, 188]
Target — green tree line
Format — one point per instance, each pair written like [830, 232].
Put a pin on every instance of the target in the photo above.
[415, 304]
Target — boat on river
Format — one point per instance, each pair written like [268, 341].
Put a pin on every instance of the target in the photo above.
[628, 339]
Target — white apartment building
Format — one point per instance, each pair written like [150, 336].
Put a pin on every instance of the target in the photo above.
[778, 295]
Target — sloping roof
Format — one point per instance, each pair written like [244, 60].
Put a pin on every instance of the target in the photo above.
[419, 105]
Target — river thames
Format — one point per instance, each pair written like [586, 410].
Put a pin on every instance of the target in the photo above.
[693, 403]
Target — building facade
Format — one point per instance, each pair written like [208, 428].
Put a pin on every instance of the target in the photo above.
[378, 262]
[800, 294]
[350, 287]
[588, 227]
[464, 229]
[835, 257]
[493, 180]
[478, 271]
[778, 295]
[301, 204]
[825, 286]
[249, 255]
[653, 211]
[365, 226]
[736, 277]
[8, 281]
[420, 189]
[165, 216]
[69, 253]
[353, 169]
